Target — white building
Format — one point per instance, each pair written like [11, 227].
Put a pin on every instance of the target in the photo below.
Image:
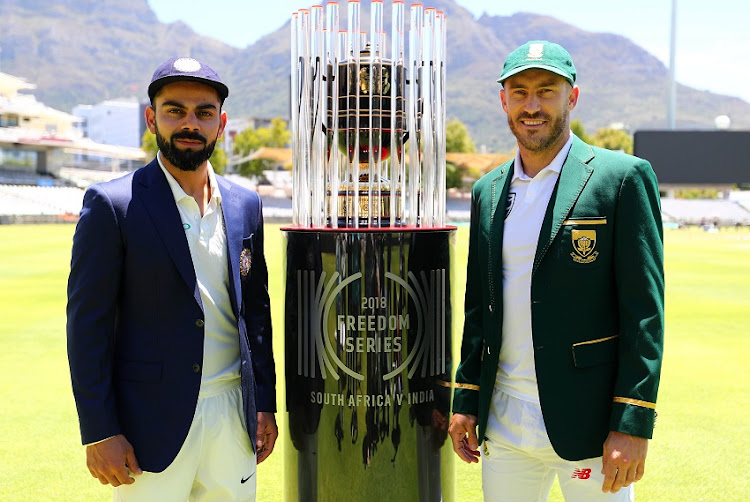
[22, 115]
[113, 122]
[37, 141]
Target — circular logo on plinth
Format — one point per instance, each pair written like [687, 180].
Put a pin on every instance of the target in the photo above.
[377, 324]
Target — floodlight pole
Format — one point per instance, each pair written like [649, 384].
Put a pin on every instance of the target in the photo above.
[672, 52]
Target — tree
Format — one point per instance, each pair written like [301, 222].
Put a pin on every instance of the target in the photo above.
[577, 127]
[453, 176]
[613, 139]
[218, 158]
[457, 137]
[252, 140]
[148, 144]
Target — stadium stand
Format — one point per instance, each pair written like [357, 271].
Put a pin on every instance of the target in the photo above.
[741, 197]
[701, 212]
[84, 177]
[39, 204]
[18, 177]
[23, 200]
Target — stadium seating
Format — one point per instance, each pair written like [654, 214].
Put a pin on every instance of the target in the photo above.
[29, 203]
[21, 203]
[701, 212]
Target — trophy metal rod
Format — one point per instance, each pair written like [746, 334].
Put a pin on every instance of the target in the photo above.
[294, 122]
[415, 96]
[333, 56]
[374, 130]
[319, 112]
[303, 139]
[355, 46]
[398, 165]
[427, 78]
[441, 96]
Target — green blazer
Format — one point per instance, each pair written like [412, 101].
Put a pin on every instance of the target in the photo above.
[597, 300]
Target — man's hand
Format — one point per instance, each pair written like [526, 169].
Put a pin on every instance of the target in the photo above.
[110, 460]
[463, 432]
[624, 460]
[265, 438]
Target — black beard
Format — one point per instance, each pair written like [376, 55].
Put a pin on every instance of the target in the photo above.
[184, 160]
[535, 143]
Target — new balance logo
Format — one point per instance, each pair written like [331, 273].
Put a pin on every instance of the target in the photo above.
[581, 473]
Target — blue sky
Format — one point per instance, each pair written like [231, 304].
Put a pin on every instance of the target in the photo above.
[713, 44]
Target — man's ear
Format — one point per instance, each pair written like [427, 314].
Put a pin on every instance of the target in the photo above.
[223, 124]
[502, 100]
[150, 116]
[573, 97]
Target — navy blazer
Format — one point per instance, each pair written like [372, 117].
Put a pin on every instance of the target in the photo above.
[135, 318]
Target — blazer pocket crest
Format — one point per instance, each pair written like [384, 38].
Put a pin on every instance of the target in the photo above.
[246, 256]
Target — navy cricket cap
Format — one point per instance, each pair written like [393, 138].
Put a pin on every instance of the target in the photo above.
[186, 69]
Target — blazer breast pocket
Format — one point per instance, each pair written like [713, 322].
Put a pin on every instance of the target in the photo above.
[585, 241]
[595, 352]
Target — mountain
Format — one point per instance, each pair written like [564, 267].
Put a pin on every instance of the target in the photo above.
[86, 51]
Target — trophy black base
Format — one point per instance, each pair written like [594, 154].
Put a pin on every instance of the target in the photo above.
[368, 365]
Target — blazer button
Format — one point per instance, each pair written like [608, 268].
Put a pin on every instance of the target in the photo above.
[196, 368]
[199, 323]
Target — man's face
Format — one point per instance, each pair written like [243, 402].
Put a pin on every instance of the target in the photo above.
[538, 104]
[187, 121]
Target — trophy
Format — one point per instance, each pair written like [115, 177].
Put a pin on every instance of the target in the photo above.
[368, 259]
[355, 105]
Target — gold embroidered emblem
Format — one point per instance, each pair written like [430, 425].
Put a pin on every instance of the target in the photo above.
[246, 260]
[584, 242]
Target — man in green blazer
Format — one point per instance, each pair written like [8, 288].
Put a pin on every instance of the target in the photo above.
[564, 310]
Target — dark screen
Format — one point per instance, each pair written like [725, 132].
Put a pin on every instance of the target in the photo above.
[694, 157]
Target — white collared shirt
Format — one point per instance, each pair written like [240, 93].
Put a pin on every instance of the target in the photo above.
[526, 206]
[208, 248]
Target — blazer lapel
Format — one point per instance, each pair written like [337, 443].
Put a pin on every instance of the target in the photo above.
[498, 203]
[500, 189]
[158, 200]
[232, 212]
[573, 177]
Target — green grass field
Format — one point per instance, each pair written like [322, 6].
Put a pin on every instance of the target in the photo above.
[699, 449]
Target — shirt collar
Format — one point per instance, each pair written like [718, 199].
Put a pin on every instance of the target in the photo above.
[177, 190]
[555, 165]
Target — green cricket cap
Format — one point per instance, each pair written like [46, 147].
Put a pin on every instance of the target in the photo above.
[539, 54]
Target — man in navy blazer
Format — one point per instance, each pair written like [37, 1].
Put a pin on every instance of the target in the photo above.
[169, 326]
